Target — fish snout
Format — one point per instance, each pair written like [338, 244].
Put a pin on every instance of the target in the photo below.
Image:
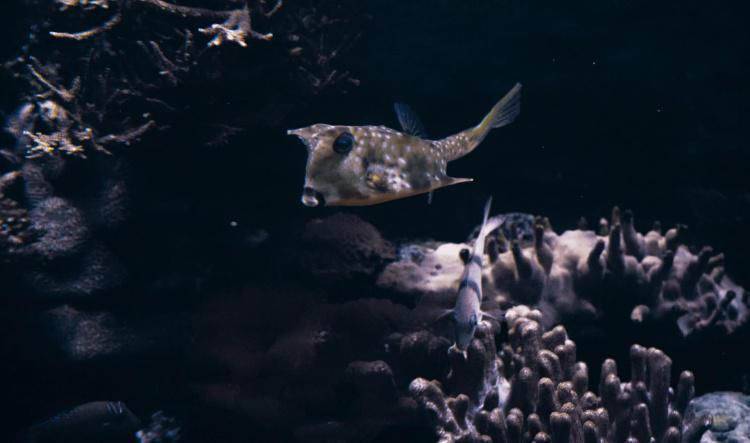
[312, 198]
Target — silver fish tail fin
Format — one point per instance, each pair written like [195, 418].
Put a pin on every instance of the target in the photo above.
[488, 225]
[502, 114]
[504, 111]
[486, 216]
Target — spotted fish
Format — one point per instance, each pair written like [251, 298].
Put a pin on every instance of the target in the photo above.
[367, 165]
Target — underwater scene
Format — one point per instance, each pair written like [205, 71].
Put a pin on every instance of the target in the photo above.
[495, 221]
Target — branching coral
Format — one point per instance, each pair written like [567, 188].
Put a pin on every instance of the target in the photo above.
[60, 119]
[235, 28]
[318, 40]
[85, 4]
[549, 397]
[619, 275]
[85, 113]
[101, 91]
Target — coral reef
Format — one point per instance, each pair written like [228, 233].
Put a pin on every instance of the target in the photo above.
[137, 276]
[579, 275]
[81, 98]
[342, 246]
[66, 120]
[342, 253]
[55, 233]
[236, 26]
[549, 397]
[392, 370]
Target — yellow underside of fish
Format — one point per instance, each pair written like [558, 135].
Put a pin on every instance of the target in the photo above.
[381, 198]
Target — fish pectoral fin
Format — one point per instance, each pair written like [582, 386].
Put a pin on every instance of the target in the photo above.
[488, 315]
[444, 315]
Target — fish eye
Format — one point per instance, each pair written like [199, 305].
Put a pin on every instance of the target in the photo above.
[464, 255]
[343, 143]
[473, 320]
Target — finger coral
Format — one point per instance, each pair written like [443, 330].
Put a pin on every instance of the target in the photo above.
[549, 397]
[616, 275]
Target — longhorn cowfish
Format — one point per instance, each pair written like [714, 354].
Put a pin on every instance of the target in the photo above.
[367, 165]
[467, 312]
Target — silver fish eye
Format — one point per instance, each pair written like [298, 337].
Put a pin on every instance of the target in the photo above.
[343, 143]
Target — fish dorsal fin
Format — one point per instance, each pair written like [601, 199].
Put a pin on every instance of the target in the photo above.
[410, 122]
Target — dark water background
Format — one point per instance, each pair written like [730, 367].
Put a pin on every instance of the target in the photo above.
[631, 103]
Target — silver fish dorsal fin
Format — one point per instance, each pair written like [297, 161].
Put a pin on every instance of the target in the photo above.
[410, 122]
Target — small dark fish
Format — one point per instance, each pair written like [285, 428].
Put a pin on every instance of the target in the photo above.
[98, 421]
[367, 165]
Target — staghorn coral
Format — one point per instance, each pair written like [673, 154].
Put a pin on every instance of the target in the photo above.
[66, 120]
[236, 26]
[84, 98]
[319, 39]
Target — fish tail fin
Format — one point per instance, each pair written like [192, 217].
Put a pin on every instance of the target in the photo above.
[486, 215]
[503, 113]
[488, 225]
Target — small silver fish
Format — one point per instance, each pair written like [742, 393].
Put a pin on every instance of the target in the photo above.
[467, 312]
[367, 165]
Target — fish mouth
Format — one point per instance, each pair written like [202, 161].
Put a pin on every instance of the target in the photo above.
[312, 198]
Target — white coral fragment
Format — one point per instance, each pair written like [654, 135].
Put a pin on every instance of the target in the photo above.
[86, 4]
[235, 29]
[48, 144]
